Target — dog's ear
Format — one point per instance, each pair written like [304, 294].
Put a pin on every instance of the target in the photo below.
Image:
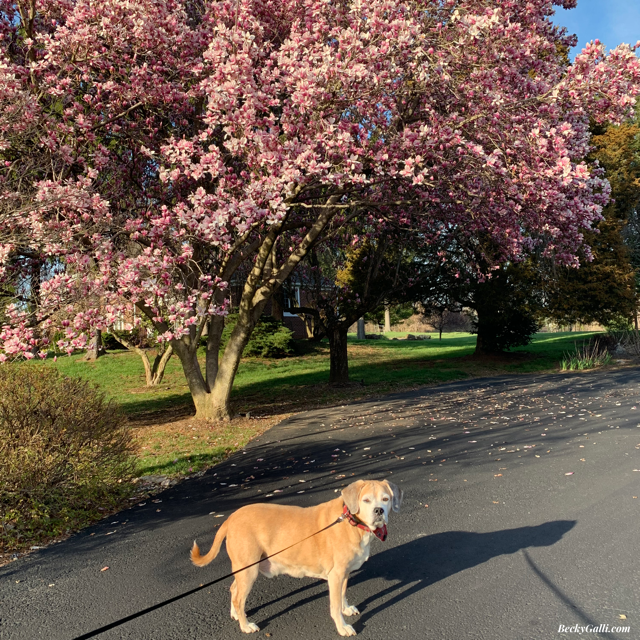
[351, 495]
[396, 496]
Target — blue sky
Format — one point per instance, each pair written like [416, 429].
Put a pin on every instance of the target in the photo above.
[610, 21]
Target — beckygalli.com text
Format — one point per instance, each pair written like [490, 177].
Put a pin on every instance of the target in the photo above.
[592, 628]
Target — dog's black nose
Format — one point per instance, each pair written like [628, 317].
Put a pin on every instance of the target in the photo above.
[379, 511]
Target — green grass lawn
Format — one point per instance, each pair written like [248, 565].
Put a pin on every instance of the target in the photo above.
[289, 384]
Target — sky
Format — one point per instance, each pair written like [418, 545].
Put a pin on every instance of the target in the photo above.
[610, 21]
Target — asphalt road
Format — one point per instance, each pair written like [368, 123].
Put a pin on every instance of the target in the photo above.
[509, 547]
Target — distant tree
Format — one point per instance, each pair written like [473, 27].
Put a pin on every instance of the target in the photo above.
[446, 318]
[143, 339]
[630, 200]
[342, 285]
[397, 313]
[506, 302]
[508, 308]
[602, 290]
[436, 317]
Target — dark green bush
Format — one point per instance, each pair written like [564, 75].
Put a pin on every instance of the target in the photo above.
[111, 344]
[270, 338]
[65, 454]
[508, 308]
[619, 324]
[502, 329]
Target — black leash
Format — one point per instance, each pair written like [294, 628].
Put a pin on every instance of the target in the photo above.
[133, 616]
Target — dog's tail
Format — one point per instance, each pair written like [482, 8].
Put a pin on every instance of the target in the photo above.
[201, 561]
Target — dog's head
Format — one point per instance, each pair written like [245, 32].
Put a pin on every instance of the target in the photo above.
[371, 500]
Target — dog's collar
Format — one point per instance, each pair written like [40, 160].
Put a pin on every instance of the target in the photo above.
[354, 521]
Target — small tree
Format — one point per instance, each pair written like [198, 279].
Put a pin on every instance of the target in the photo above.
[507, 302]
[141, 340]
[603, 288]
[508, 309]
[340, 287]
[444, 318]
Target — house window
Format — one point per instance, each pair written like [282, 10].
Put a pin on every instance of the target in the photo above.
[125, 319]
[293, 300]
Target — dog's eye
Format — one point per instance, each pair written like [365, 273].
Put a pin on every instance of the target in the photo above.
[385, 499]
[366, 500]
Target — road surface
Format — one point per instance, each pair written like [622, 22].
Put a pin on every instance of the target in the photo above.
[520, 521]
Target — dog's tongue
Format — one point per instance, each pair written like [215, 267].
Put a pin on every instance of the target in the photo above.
[381, 532]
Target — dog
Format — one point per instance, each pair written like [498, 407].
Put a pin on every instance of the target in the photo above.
[257, 531]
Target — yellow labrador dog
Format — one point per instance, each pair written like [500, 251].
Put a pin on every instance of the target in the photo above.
[259, 530]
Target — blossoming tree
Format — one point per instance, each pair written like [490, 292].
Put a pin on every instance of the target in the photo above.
[154, 152]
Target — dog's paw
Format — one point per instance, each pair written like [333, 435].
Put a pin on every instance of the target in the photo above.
[347, 630]
[234, 615]
[350, 611]
[250, 627]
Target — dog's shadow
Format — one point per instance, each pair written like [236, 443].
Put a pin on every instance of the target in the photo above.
[414, 565]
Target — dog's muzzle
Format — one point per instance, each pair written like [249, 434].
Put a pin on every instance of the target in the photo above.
[354, 521]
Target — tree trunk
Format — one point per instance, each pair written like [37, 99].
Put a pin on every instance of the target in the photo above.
[221, 391]
[361, 333]
[95, 348]
[277, 305]
[480, 348]
[309, 325]
[159, 366]
[484, 341]
[187, 353]
[387, 319]
[312, 323]
[214, 337]
[153, 374]
[338, 357]
[480, 329]
[211, 396]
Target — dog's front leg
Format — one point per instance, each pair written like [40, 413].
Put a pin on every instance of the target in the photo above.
[346, 609]
[337, 579]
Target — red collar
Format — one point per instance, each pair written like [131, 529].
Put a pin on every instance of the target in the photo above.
[380, 532]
